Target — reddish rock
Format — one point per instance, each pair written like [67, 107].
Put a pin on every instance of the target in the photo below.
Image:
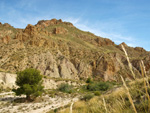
[124, 44]
[104, 41]
[69, 24]
[30, 29]
[60, 20]
[60, 30]
[140, 49]
[6, 39]
[147, 63]
[7, 25]
[45, 23]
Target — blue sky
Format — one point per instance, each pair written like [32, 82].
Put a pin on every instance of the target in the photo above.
[119, 20]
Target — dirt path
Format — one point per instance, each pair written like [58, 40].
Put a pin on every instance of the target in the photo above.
[6, 93]
[8, 106]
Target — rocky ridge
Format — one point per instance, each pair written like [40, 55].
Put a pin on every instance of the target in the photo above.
[58, 49]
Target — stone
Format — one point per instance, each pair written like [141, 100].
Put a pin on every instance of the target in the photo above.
[60, 30]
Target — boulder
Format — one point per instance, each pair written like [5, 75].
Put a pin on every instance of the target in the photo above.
[7, 80]
[67, 69]
[104, 41]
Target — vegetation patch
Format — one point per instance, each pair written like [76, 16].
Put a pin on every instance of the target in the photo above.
[87, 96]
[66, 88]
[98, 86]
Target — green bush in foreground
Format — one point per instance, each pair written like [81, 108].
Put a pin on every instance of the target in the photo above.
[66, 88]
[30, 83]
[98, 86]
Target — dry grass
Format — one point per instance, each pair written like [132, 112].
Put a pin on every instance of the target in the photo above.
[144, 70]
[127, 99]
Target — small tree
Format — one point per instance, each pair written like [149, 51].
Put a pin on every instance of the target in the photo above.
[30, 83]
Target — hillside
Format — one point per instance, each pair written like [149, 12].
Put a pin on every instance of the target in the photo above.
[59, 49]
[82, 72]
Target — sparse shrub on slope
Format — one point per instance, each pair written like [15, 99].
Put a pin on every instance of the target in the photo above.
[97, 93]
[88, 96]
[98, 86]
[65, 88]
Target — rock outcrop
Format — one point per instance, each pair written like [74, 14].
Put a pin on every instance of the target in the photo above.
[7, 25]
[104, 42]
[60, 30]
[45, 23]
[140, 49]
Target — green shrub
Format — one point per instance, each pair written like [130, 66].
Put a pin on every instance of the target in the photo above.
[98, 86]
[88, 96]
[65, 88]
[97, 93]
[88, 80]
[55, 110]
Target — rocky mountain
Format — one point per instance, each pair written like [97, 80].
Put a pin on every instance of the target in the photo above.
[59, 49]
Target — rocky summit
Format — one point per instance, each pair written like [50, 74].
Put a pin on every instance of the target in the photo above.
[59, 49]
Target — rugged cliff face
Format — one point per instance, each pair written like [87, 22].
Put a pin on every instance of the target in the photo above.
[58, 49]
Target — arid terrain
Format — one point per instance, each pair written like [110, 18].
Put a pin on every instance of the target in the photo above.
[98, 71]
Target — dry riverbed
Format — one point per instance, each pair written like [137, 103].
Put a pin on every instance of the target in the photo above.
[8, 105]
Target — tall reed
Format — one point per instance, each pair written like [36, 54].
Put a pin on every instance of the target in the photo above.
[128, 93]
[145, 86]
[105, 105]
[129, 63]
[144, 70]
[71, 107]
